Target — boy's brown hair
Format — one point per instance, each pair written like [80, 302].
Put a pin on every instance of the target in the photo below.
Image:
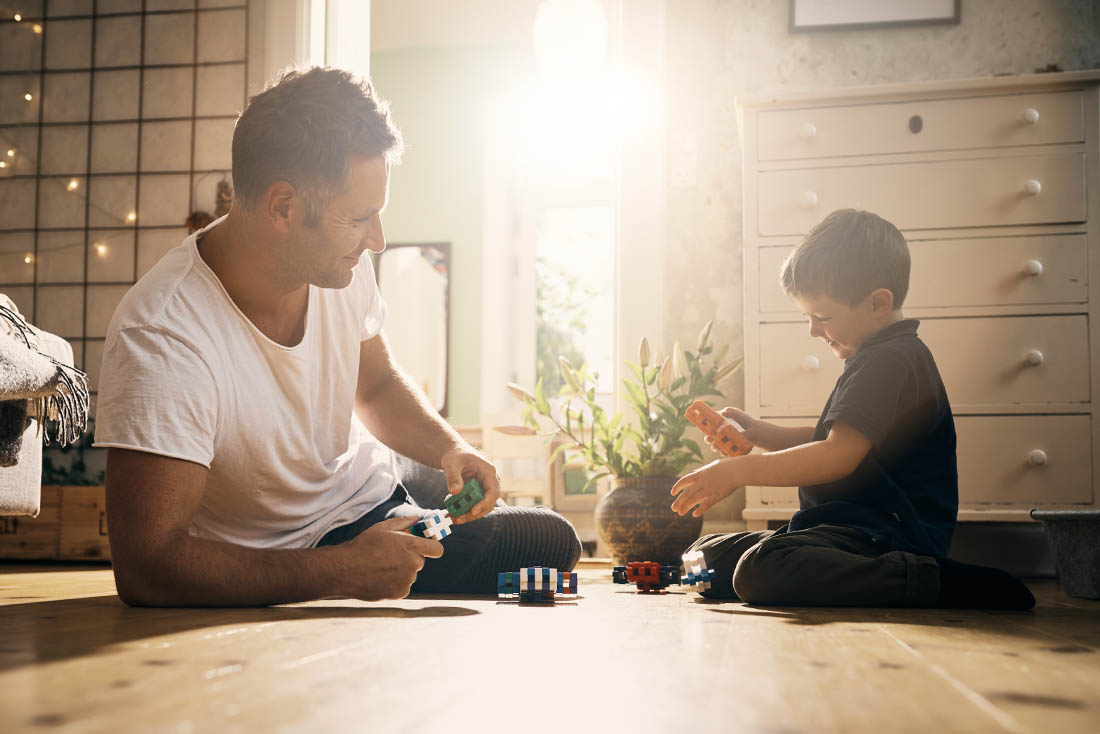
[846, 256]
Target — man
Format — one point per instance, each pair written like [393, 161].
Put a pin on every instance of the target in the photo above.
[252, 408]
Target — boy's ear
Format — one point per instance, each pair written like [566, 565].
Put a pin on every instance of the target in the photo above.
[882, 300]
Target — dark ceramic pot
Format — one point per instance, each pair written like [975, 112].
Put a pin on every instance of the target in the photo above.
[636, 524]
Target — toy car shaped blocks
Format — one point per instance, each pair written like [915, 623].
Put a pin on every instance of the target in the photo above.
[437, 525]
[646, 575]
[726, 435]
[696, 573]
[536, 584]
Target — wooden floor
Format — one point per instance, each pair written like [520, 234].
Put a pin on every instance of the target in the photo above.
[74, 659]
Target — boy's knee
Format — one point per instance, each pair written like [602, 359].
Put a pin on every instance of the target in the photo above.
[759, 577]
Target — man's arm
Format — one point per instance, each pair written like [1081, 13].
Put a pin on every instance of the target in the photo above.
[150, 502]
[811, 463]
[400, 416]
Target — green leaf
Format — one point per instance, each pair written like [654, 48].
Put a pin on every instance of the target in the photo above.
[540, 399]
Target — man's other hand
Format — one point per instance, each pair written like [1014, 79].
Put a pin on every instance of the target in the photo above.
[384, 559]
[460, 466]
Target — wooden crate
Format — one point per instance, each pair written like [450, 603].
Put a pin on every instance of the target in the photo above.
[72, 526]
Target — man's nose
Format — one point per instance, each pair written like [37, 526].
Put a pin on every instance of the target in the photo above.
[375, 240]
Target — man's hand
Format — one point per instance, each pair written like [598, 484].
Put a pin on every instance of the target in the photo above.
[706, 486]
[460, 466]
[383, 560]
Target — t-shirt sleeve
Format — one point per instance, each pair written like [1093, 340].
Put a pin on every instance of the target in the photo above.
[376, 310]
[156, 394]
[874, 397]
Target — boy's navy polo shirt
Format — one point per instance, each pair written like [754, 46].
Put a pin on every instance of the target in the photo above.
[905, 492]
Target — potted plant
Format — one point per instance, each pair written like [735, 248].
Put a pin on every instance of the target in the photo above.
[644, 456]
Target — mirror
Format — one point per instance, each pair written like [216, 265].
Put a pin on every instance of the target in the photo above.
[415, 282]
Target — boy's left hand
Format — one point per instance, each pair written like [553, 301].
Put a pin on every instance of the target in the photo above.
[706, 486]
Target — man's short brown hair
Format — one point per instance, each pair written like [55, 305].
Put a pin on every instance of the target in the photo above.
[305, 129]
[846, 256]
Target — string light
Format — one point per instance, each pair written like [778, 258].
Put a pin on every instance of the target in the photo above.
[11, 152]
[73, 185]
[3, 164]
[18, 17]
[28, 259]
[28, 96]
[131, 217]
[38, 28]
[101, 249]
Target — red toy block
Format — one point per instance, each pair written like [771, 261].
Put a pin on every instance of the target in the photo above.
[725, 434]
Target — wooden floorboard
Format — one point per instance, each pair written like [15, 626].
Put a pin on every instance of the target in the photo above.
[74, 659]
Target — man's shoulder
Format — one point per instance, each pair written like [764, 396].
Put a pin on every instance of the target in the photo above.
[166, 298]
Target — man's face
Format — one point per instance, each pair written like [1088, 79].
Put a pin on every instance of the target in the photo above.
[351, 223]
[843, 328]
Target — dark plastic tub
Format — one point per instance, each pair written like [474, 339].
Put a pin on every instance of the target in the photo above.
[1075, 539]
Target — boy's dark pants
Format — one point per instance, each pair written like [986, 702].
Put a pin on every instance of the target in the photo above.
[826, 565]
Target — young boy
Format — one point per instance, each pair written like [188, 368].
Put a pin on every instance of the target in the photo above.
[877, 480]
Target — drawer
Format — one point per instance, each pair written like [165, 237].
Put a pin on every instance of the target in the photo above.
[930, 195]
[940, 124]
[1028, 459]
[1008, 271]
[983, 362]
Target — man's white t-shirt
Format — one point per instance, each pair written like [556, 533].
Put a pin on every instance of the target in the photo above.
[185, 374]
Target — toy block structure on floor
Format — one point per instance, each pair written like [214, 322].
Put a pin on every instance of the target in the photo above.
[537, 584]
[696, 573]
[648, 576]
[725, 434]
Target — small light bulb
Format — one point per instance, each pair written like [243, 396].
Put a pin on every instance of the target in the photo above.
[28, 259]
[73, 185]
[28, 96]
[11, 152]
[101, 249]
[3, 164]
[18, 17]
[131, 217]
[38, 28]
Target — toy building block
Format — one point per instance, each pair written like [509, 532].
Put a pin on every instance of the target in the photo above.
[696, 573]
[536, 584]
[725, 433]
[436, 526]
[461, 503]
[646, 575]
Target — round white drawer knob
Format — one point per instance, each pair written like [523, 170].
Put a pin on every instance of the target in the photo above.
[1033, 187]
[1031, 115]
[810, 363]
[1034, 357]
[809, 199]
[1037, 457]
[1034, 268]
[807, 131]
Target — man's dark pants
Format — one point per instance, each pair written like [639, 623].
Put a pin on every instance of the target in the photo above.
[507, 539]
[826, 565]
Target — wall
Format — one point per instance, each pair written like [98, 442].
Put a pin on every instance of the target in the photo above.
[718, 51]
[438, 97]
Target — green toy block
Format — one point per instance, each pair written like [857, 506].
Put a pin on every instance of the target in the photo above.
[460, 504]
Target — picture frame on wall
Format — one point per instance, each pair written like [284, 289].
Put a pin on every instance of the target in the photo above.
[822, 15]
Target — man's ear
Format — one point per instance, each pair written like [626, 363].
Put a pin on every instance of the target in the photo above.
[281, 205]
[882, 300]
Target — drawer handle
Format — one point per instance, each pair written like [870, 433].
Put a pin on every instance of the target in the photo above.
[1037, 457]
[1034, 357]
[807, 131]
[1030, 116]
[1033, 187]
[1034, 268]
[810, 363]
[808, 200]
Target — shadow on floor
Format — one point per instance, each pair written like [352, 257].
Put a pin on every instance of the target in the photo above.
[47, 631]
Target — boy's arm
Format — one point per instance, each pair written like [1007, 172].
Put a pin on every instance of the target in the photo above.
[807, 464]
[150, 502]
[768, 436]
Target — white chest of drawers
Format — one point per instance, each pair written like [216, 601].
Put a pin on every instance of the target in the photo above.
[996, 186]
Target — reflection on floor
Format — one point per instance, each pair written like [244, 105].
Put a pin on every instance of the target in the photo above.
[73, 658]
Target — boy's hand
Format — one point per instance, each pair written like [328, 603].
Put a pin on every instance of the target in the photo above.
[753, 428]
[706, 486]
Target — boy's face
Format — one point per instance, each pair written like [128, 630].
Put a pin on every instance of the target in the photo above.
[844, 328]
